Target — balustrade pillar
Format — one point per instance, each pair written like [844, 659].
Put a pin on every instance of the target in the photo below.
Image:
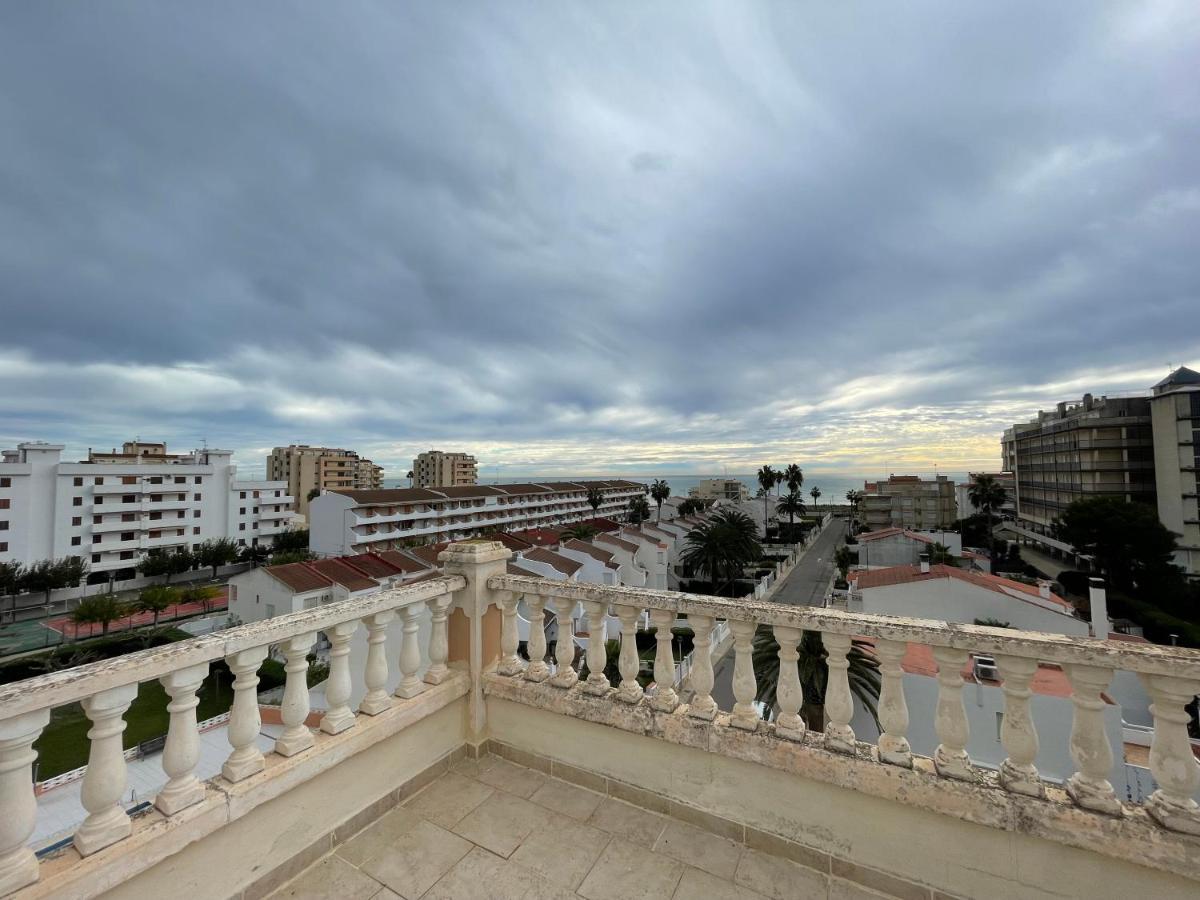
[296, 736]
[789, 694]
[597, 650]
[1089, 786]
[410, 653]
[510, 637]
[18, 805]
[439, 644]
[950, 718]
[375, 674]
[628, 662]
[665, 698]
[182, 750]
[105, 779]
[894, 748]
[1171, 760]
[745, 689]
[839, 706]
[338, 716]
[703, 706]
[537, 670]
[244, 719]
[565, 675]
[1017, 733]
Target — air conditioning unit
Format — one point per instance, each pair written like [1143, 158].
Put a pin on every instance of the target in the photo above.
[985, 669]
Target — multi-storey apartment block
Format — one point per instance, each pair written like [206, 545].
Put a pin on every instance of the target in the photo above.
[306, 469]
[113, 508]
[435, 469]
[1175, 421]
[347, 521]
[732, 489]
[908, 501]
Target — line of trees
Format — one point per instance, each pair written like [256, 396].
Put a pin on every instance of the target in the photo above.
[791, 503]
[41, 577]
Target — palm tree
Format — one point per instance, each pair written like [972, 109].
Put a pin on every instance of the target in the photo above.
[659, 491]
[794, 477]
[987, 494]
[816, 492]
[409, 475]
[724, 544]
[156, 599]
[766, 481]
[639, 510]
[580, 531]
[793, 505]
[814, 673]
[595, 498]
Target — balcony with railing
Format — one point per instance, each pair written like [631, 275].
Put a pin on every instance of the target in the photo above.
[626, 788]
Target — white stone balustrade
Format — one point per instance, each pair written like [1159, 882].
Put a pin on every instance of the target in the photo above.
[182, 750]
[338, 717]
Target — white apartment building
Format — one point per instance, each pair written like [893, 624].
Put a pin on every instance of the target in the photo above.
[114, 508]
[342, 522]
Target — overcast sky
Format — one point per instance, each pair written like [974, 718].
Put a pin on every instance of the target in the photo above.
[604, 237]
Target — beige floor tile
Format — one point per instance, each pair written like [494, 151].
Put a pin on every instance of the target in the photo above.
[779, 879]
[387, 894]
[449, 799]
[696, 847]
[631, 823]
[417, 859]
[381, 833]
[697, 884]
[468, 768]
[841, 889]
[626, 871]
[500, 823]
[568, 799]
[483, 876]
[507, 776]
[331, 877]
[561, 850]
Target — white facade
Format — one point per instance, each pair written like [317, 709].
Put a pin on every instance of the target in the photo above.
[112, 513]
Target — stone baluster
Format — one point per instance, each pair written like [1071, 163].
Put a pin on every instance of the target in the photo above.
[565, 675]
[339, 716]
[104, 782]
[1089, 786]
[182, 750]
[839, 706]
[375, 673]
[537, 670]
[439, 643]
[410, 653]
[597, 651]
[703, 706]
[1171, 760]
[894, 748]
[950, 717]
[628, 662]
[789, 694]
[510, 637]
[665, 699]
[1017, 733]
[244, 719]
[296, 736]
[745, 689]
[18, 805]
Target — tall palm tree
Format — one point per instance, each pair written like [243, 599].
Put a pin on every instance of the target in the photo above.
[794, 477]
[793, 505]
[594, 499]
[639, 510]
[987, 494]
[409, 475]
[660, 491]
[816, 492]
[814, 673]
[723, 545]
[766, 481]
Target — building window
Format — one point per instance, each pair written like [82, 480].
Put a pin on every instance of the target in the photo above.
[179, 479]
[156, 479]
[4, 502]
[256, 495]
[128, 535]
[126, 517]
[155, 516]
[99, 480]
[98, 501]
[242, 495]
[256, 525]
[78, 482]
[128, 479]
[76, 521]
[195, 513]
[78, 501]
[95, 557]
[197, 479]
[5, 482]
[242, 526]
[195, 497]
[126, 554]
[195, 529]
[279, 493]
[129, 498]
[155, 534]
[242, 511]
[96, 538]
[156, 498]
[241, 542]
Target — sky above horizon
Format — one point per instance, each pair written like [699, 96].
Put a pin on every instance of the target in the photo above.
[573, 238]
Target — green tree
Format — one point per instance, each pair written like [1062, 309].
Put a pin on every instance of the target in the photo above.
[939, 555]
[156, 600]
[580, 531]
[292, 539]
[11, 577]
[766, 480]
[311, 495]
[216, 552]
[639, 510]
[290, 556]
[814, 673]
[689, 506]
[595, 497]
[793, 476]
[44, 576]
[202, 594]
[1128, 542]
[659, 491]
[165, 563]
[793, 505]
[102, 610]
[987, 495]
[254, 554]
[843, 559]
[722, 547]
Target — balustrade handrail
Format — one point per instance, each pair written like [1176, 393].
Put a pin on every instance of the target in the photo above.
[1149, 659]
[71, 685]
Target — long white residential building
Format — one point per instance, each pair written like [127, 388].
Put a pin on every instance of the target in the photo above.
[114, 508]
[343, 522]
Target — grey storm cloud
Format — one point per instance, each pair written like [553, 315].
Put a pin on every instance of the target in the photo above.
[597, 235]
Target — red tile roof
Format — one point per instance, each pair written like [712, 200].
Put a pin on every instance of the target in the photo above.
[429, 553]
[343, 573]
[617, 542]
[373, 565]
[594, 552]
[402, 561]
[540, 537]
[299, 577]
[556, 560]
[511, 541]
[513, 568]
[908, 574]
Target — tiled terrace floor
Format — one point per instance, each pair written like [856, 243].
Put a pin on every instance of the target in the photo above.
[491, 829]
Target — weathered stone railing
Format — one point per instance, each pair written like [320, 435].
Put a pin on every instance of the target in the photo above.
[107, 689]
[1171, 677]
